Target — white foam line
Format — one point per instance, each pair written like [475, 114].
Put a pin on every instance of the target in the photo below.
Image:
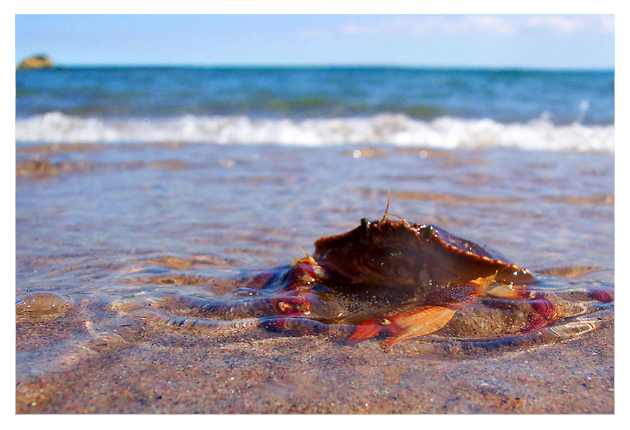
[445, 132]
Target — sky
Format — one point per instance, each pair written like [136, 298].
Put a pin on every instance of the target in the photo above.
[497, 41]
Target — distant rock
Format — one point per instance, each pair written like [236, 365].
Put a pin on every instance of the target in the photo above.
[36, 62]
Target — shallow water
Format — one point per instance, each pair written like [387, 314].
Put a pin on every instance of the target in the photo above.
[97, 225]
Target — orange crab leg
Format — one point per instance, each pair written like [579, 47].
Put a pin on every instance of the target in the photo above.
[366, 329]
[421, 320]
[424, 321]
[404, 326]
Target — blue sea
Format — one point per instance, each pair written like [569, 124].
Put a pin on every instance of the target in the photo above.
[318, 106]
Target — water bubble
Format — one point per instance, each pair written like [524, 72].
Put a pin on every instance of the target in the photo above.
[41, 303]
[244, 292]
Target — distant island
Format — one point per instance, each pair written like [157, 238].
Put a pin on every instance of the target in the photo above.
[36, 62]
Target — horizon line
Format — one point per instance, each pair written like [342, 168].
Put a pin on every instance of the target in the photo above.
[333, 65]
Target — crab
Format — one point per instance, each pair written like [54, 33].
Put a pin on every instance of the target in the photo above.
[396, 281]
[410, 278]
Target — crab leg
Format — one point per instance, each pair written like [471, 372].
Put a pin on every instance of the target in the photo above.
[404, 325]
[422, 320]
[429, 319]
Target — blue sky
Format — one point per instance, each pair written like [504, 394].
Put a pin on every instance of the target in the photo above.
[529, 41]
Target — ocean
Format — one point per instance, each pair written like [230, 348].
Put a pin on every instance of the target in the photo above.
[135, 186]
[318, 106]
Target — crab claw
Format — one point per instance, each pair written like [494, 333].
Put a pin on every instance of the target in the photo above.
[544, 314]
[602, 295]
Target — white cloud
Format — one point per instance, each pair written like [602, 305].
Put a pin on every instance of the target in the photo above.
[311, 34]
[562, 24]
[489, 24]
[607, 23]
[352, 28]
[570, 24]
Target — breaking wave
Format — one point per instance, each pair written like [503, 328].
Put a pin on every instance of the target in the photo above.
[395, 129]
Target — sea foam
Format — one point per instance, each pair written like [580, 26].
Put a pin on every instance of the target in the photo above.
[396, 129]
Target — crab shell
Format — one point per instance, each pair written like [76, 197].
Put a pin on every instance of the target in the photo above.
[427, 271]
[396, 257]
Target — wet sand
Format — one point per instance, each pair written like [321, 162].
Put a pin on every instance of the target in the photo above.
[95, 225]
[175, 372]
